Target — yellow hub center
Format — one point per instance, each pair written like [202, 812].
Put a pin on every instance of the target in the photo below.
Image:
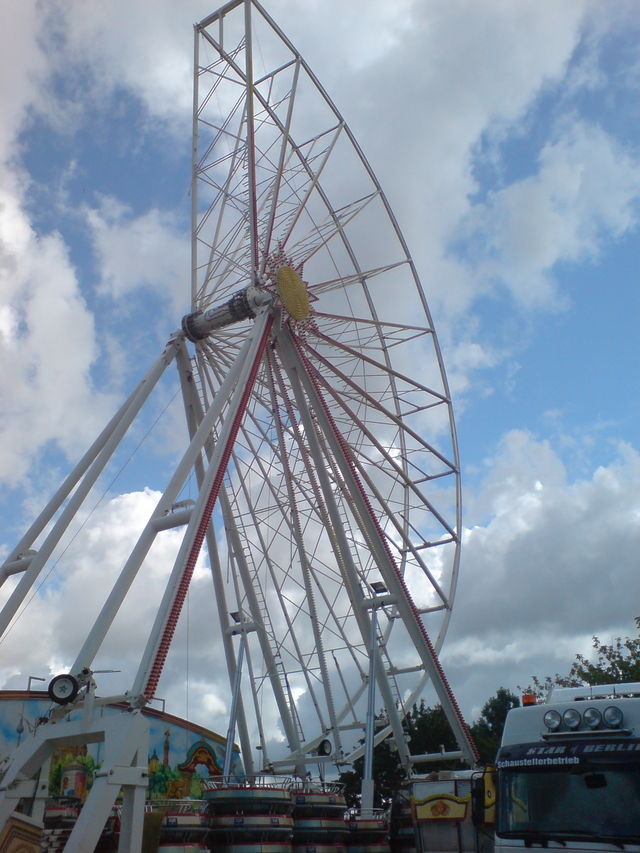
[293, 293]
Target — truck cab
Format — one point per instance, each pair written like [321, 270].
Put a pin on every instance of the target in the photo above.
[568, 771]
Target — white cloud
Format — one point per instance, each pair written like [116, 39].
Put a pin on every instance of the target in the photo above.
[519, 463]
[47, 335]
[22, 66]
[135, 253]
[145, 50]
[47, 347]
[585, 193]
[421, 113]
[548, 563]
[464, 358]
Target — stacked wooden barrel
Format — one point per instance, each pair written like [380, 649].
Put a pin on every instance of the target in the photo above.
[184, 827]
[318, 819]
[368, 832]
[249, 817]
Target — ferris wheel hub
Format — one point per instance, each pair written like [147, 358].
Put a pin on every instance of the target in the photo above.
[243, 305]
[293, 293]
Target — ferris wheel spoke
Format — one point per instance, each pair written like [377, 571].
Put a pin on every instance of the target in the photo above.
[358, 355]
[222, 136]
[284, 148]
[313, 184]
[253, 593]
[252, 211]
[301, 200]
[393, 334]
[277, 644]
[290, 188]
[302, 554]
[253, 94]
[352, 578]
[325, 518]
[328, 624]
[204, 171]
[225, 260]
[335, 225]
[226, 195]
[401, 475]
[234, 272]
[406, 545]
[225, 199]
[375, 403]
[346, 280]
[302, 489]
[411, 472]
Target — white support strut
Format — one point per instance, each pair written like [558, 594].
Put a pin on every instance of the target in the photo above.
[125, 738]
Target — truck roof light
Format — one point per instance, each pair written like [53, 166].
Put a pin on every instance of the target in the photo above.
[552, 720]
[528, 699]
[572, 718]
[592, 718]
[612, 717]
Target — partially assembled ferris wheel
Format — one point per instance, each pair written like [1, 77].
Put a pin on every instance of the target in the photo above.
[322, 438]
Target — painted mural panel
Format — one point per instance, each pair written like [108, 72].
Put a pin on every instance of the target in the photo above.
[181, 754]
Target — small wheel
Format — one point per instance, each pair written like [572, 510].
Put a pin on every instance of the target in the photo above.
[63, 689]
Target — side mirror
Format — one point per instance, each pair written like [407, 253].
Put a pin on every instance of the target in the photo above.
[483, 797]
[477, 800]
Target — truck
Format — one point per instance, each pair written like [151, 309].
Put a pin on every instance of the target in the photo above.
[567, 774]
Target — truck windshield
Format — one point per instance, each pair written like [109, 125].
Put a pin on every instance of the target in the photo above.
[600, 801]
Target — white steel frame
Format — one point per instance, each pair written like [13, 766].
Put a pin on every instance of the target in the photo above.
[307, 443]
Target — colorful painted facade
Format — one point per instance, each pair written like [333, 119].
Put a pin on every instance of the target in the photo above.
[181, 753]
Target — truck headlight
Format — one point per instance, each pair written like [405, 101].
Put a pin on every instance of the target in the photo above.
[612, 717]
[592, 718]
[552, 720]
[572, 718]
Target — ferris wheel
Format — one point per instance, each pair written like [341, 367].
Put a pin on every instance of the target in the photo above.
[344, 475]
[321, 425]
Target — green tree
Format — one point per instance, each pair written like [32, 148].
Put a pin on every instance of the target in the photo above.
[158, 781]
[428, 731]
[613, 663]
[487, 730]
[55, 778]
[388, 775]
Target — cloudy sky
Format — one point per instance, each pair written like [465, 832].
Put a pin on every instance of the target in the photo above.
[505, 135]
